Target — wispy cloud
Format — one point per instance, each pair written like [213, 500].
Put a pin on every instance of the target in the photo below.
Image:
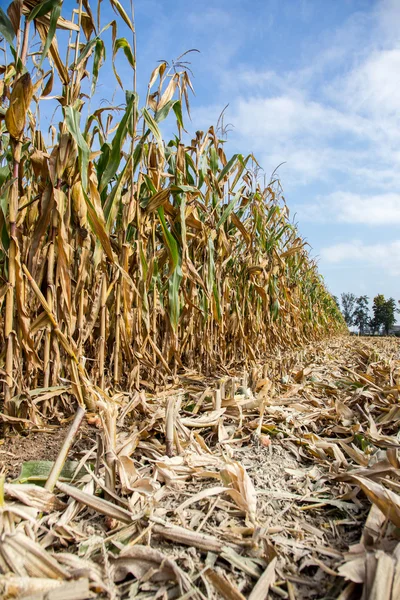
[336, 115]
[385, 256]
[348, 207]
[327, 106]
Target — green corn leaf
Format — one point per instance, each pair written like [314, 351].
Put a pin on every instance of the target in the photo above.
[150, 185]
[132, 96]
[4, 174]
[143, 261]
[5, 238]
[185, 189]
[6, 28]
[113, 199]
[228, 167]
[275, 310]
[243, 163]
[211, 265]
[163, 113]
[103, 160]
[122, 44]
[154, 129]
[55, 14]
[173, 297]
[42, 9]
[72, 119]
[99, 56]
[38, 471]
[86, 50]
[171, 242]
[182, 209]
[116, 147]
[213, 160]
[177, 108]
[229, 209]
[137, 156]
[91, 43]
[190, 164]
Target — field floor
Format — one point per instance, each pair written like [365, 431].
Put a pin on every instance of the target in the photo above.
[290, 490]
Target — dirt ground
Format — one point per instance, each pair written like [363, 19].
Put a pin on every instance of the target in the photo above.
[287, 491]
[15, 448]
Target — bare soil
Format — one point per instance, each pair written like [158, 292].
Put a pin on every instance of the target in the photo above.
[16, 448]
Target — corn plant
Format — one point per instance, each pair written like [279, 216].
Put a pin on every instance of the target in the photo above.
[125, 258]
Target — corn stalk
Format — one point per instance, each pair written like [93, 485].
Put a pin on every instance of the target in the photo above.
[152, 255]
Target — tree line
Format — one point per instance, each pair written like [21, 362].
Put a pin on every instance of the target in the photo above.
[356, 312]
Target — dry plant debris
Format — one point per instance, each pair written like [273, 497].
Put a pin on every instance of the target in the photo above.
[288, 488]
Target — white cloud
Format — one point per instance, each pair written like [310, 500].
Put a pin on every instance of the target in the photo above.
[388, 14]
[338, 117]
[289, 116]
[373, 87]
[294, 129]
[333, 118]
[385, 256]
[348, 207]
[318, 141]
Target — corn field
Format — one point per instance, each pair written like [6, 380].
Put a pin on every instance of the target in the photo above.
[124, 258]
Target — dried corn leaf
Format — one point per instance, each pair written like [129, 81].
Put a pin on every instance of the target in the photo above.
[34, 496]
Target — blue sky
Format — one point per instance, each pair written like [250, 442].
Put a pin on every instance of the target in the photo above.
[311, 83]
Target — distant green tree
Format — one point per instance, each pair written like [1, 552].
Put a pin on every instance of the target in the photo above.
[378, 309]
[384, 314]
[360, 314]
[336, 300]
[389, 315]
[348, 302]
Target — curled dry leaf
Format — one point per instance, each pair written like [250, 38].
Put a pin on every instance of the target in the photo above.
[140, 561]
[35, 496]
[207, 420]
[27, 557]
[243, 491]
[104, 507]
[386, 500]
